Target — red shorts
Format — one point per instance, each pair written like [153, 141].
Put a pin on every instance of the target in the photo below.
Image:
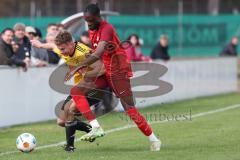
[121, 85]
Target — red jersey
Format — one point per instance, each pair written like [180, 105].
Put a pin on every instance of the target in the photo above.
[115, 60]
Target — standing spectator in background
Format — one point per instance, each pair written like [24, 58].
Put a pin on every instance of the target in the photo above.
[15, 46]
[7, 56]
[52, 31]
[231, 48]
[134, 53]
[38, 34]
[39, 56]
[60, 27]
[160, 51]
[30, 32]
[24, 49]
[52, 28]
[47, 46]
[53, 58]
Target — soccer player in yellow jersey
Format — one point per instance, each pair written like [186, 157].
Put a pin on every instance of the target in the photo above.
[73, 56]
[73, 53]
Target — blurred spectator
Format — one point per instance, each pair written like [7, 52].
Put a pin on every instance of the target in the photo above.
[7, 56]
[52, 28]
[84, 38]
[47, 46]
[23, 51]
[60, 27]
[231, 48]
[53, 58]
[160, 51]
[38, 34]
[30, 32]
[15, 46]
[39, 56]
[134, 52]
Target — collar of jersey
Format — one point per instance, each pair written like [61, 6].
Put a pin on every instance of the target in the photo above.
[74, 50]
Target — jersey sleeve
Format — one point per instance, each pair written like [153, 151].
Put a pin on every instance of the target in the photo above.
[57, 51]
[107, 33]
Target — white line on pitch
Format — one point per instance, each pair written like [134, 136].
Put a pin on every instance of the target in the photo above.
[132, 126]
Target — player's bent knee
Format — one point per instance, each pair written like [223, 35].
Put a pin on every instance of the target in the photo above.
[72, 109]
[60, 122]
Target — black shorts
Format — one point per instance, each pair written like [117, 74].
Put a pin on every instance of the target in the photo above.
[91, 101]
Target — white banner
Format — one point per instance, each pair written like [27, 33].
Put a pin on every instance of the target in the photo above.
[26, 96]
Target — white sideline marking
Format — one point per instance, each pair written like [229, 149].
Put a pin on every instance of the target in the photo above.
[132, 126]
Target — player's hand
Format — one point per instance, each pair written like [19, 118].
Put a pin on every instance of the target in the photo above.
[24, 69]
[70, 74]
[36, 43]
[83, 71]
[27, 61]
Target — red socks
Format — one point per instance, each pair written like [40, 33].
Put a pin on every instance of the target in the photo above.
[83, 106]
[140, 121]
[82, 103]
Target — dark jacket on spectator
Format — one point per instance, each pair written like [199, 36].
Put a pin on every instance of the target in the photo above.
[24, 48]
[7, 56]
[160, 52]
[53, 58]
[229, 50]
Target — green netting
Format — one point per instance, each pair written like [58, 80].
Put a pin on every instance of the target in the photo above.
[190, 35]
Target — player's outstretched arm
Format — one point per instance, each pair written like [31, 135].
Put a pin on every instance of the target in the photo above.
[96, 55]
[38, 44]
[98, 69]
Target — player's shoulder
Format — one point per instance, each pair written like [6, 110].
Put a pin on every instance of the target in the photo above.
[57, 51]
[107, 25]
[82, 48]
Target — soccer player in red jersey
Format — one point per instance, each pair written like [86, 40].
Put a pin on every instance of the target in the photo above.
[106, 45]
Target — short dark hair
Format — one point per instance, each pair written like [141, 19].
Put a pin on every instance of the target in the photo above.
[63, 37]
[51, 24]
[93, 9]
[134, 35]
[7, 29]
[60, 25]
[38, 32]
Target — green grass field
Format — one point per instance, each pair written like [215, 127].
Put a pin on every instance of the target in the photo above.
[211, 135]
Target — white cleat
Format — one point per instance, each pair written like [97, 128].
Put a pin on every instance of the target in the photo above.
[93, 134]
[155, 145]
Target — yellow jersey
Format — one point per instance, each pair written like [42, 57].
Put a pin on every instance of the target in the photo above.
[80, 53]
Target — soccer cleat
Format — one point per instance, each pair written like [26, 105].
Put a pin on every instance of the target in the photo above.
[68, 148]
[155, 145]
[96, 132]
